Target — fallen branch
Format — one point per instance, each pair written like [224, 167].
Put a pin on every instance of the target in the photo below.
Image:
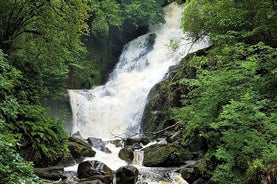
[157, 132]
[126, 136]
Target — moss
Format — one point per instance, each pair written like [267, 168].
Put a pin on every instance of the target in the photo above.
[165, 155]
[79, 150]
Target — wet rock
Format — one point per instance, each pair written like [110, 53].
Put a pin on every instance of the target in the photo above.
[126, 154]
[78, 135]
[127, 175]
[165, 155]
[93, 168]
[130, 142]
[98, 144]
[70, 178]
[79, 148]
[50, 173]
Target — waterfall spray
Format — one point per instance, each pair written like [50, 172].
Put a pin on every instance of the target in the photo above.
[116, 108]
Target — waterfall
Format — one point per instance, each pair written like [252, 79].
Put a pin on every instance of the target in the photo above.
[116, 108]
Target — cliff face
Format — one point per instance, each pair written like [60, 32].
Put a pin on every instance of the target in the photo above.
[165, 96]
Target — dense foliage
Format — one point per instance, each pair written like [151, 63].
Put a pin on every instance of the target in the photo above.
[230, 102]
[45, 48]
[249, 21]
[13, 167]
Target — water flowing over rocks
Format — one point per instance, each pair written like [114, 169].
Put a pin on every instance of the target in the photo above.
[115, 110]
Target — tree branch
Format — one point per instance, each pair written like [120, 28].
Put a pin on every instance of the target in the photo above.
[160, 131]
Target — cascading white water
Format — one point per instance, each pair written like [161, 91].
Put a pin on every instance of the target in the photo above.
[116, 108]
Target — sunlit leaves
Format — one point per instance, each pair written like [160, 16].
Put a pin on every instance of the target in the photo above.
[103, 15]
[229, 20]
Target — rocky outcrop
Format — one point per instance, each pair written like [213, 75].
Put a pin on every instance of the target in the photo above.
[166, 95]
[127, 175]
[166, 155]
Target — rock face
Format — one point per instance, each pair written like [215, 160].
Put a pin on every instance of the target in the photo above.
[127, 175]
[166, 95]
[165, 155]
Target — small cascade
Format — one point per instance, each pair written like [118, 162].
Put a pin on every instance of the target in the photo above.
[158, 175]
[138, 158]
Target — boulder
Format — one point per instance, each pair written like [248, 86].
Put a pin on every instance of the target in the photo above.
[127, 175]
[79, 148]
[166, 155]
[98, 144]
[126, 154]
[93, 168]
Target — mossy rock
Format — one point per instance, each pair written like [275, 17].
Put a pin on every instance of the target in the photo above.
[165, 155]
[126, 154]
[79, 149]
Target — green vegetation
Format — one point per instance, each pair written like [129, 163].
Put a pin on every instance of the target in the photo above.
[47, 46]
[230, 101]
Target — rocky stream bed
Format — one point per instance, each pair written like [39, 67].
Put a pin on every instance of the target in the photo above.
[139, 161]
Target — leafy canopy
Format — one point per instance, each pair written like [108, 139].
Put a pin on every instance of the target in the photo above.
[230, 20]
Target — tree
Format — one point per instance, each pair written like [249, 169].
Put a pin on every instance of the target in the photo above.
[231, 104]
[228, 20]
[42, 39]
